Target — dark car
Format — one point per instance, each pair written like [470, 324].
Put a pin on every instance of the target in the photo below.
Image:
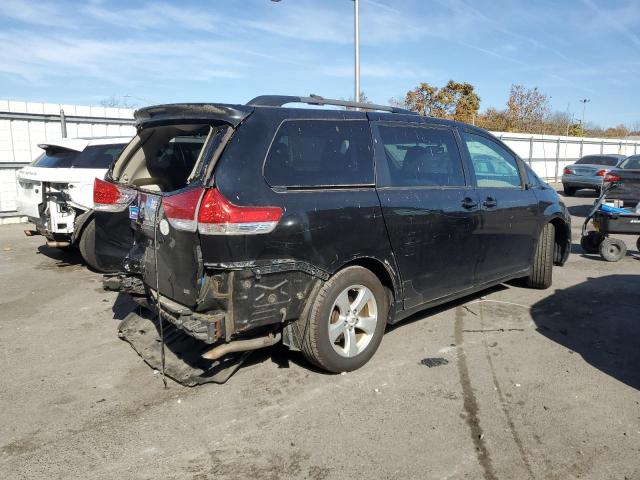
[317, 226]
[625, 182]
[588, 172]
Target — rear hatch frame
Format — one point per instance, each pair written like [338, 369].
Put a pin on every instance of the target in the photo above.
[179, 253]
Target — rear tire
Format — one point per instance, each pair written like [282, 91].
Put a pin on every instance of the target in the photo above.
[346, 321]
[638, 244]
[613, 249]
[87, 245]
[590, 243]
[569, 191]
[542, 269]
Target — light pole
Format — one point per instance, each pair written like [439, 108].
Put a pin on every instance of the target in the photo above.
[356, 41]
[584, 102]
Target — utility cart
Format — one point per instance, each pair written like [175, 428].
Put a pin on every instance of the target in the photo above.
[607, 220]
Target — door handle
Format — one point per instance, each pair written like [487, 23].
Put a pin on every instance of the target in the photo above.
[490, 202]
[468, 203]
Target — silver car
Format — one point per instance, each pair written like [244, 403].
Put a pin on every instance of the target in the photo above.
[588, 172]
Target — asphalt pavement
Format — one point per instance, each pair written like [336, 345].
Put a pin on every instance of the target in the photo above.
[510, 383]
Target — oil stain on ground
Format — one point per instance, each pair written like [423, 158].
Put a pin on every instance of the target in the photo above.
[503, 402]
[470, 402]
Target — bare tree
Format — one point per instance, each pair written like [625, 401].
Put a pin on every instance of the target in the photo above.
[117, 102]
[527, 109]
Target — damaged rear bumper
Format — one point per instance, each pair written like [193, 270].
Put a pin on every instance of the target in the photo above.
[183, 355]
[232, 304]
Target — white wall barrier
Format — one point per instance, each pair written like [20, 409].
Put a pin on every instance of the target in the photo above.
[23, 125]
[549, 154]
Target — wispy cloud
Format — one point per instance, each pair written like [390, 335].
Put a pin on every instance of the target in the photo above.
[617, 19]
[116, 61]
[170, 50]
[44, 14]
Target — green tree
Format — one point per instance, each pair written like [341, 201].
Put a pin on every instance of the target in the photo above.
[421, 99]
[457, 101]
[494, 120]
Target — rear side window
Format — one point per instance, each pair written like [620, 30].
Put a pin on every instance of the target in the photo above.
[420, 156]
[631, 163]
[494, 166]
[320, 153]
[96, 156]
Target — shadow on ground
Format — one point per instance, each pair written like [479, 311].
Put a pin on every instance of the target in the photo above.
[599, 320]
[580, 194]
[183, 354]
[64, 257]
[580, 210]
[423, 314]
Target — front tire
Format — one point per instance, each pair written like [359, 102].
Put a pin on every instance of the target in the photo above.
[346, 321]
[542, 269]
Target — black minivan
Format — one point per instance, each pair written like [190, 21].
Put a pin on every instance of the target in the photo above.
[316, 227]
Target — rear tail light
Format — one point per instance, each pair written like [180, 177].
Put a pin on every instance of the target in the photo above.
[180, 209]
[216, 215]
[567, 171]
[601, 173]
[109, 197]
[611, 178]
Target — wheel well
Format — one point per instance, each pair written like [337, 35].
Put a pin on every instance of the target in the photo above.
[379, 270]
[560, 242]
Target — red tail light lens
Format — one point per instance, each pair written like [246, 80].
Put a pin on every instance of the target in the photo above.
[567, 171]
[180, 209]
[601, 173]
[218, 216]
[109, 197]
[612, 178]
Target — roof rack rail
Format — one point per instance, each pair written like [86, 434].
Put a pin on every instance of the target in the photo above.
[280, 100]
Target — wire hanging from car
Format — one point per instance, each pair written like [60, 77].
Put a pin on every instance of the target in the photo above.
[158, 305]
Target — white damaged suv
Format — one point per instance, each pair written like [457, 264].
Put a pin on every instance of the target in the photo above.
[55, 191]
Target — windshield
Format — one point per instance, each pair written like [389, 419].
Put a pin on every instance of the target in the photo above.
[631, 163]
[607, 160]
[96, 156]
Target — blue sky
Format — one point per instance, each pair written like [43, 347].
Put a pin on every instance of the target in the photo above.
[232, 50]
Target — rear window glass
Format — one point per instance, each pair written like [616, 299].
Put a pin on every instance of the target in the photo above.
[320, 153]
[631, 163]
[598, 160]
[96, 156]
